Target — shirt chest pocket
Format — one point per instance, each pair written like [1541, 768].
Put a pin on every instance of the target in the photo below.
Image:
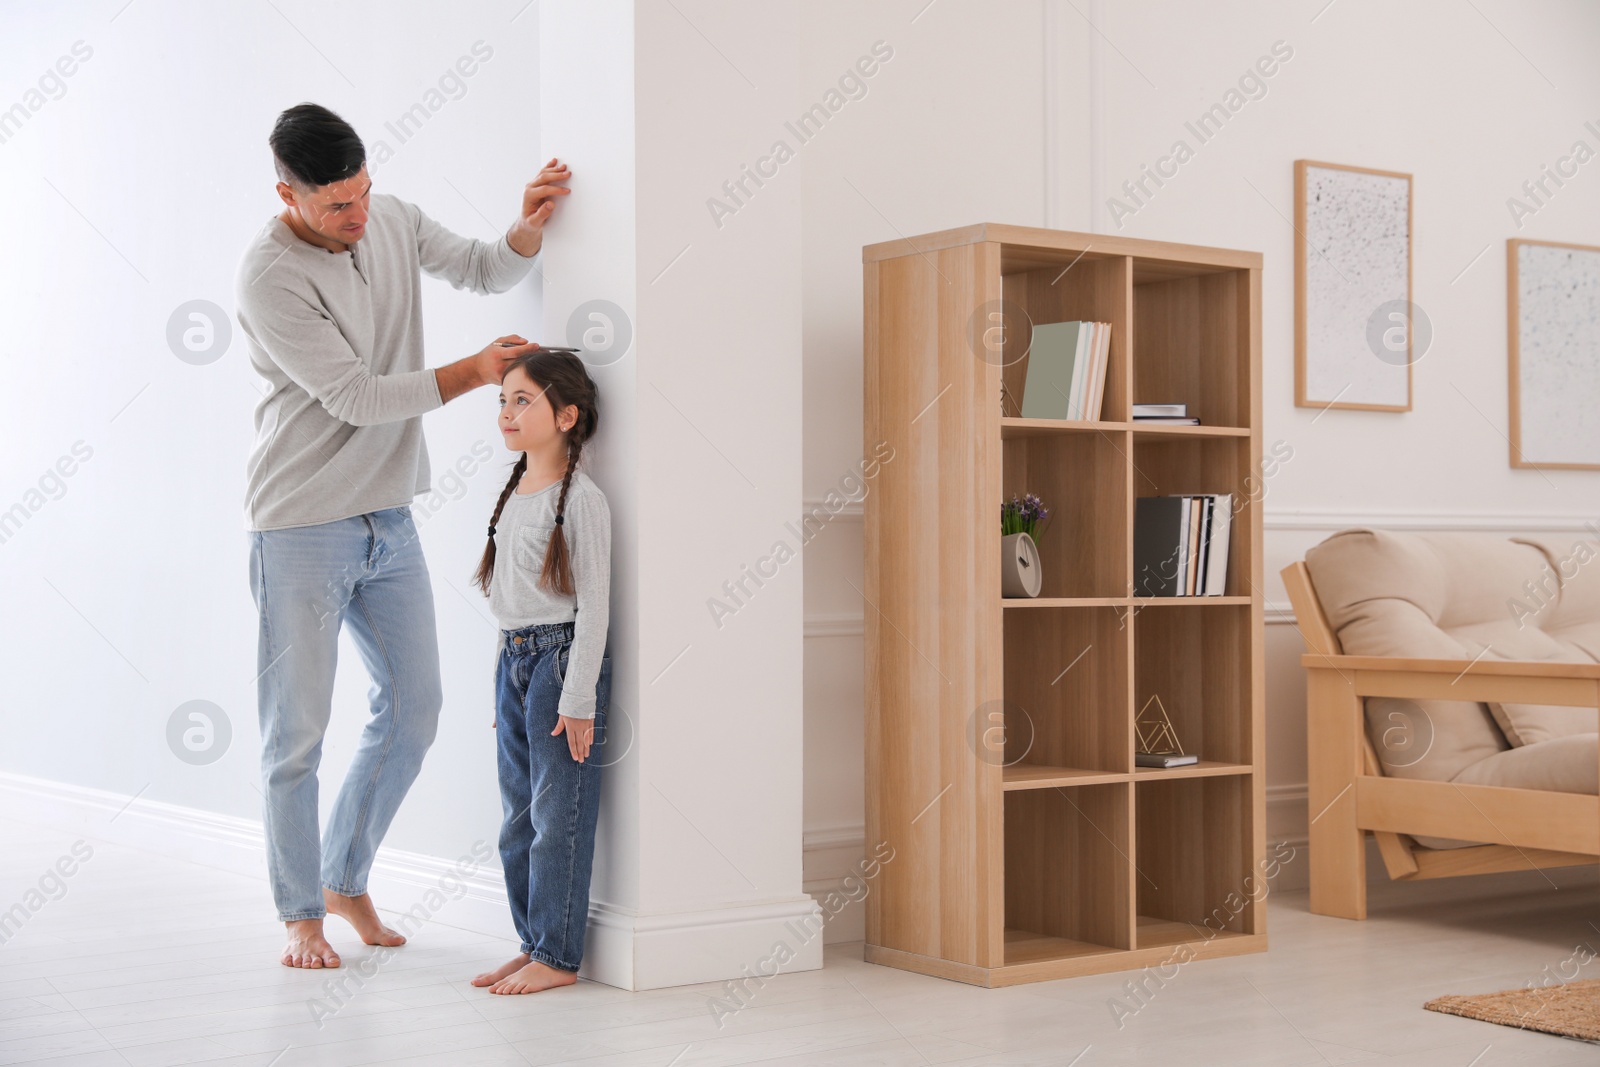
[532, 542]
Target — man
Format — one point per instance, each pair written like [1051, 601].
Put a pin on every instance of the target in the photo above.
[329, 298]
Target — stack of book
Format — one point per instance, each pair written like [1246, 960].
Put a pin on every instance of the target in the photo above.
[1066, 370]
[1176, 414]
[1180, 544]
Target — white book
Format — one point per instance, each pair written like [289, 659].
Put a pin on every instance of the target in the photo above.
[1079, 373]
[1183, 548]
[1217, 551]
[1097, 387]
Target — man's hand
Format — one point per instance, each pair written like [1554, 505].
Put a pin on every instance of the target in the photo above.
[488, 367]
[580, 734]
[526, 235]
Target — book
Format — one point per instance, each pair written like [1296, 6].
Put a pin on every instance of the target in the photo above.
[1100, 347]
[1164, 759]
[1180, 544]
[1084, 369]
[1217, 548]
[1052, 362]
[1081, 368]
[1194, 507]
[1159, 525]
[1160, 411]
[1172, 420]
[1066, 377]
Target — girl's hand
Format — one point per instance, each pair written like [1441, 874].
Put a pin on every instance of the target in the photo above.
[580, 734]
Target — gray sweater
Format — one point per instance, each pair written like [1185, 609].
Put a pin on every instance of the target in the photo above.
[338, 338]
[522, 534]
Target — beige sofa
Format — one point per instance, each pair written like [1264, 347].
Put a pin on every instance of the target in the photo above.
[1453, 682]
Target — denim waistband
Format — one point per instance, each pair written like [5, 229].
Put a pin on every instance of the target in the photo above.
[539, 635]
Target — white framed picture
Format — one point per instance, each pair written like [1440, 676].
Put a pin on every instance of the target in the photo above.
[1354, 327]
[1553, 348]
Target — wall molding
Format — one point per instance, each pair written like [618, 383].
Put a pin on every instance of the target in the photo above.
[476, 891]
[1277, 613]
[835, 624]
[853, 623]
[1334, 520]
[854, 511]
[627, 948]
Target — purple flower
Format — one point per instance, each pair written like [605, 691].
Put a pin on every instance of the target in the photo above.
[1022, 515]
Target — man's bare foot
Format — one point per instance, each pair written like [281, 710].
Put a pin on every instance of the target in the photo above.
[307, 947]
[505, 969]
[533, 977]
[360, 913]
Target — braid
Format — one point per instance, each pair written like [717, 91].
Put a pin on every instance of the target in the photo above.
[486, 564]
[556, 575]
[566, 383]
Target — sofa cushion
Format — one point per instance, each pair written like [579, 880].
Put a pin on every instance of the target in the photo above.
[1454, 596]
[1529, 724]
[1565, 605]
[1561, 765]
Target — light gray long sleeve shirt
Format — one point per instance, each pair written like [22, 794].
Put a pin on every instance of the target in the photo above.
[522, 534]
[338, 338]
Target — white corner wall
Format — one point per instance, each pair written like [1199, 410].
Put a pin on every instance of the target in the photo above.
[125, 572]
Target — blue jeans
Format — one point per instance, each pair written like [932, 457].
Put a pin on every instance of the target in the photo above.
[366, 571]
[550, 801]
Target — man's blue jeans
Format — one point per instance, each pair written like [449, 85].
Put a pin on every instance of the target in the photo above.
[550, 801]
[366, 571]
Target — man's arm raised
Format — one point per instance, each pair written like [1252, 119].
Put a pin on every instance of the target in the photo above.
[487, 367]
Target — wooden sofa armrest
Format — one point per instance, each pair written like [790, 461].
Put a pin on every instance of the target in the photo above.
[1530, 682]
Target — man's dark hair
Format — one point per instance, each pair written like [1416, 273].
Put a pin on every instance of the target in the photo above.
[312, 147]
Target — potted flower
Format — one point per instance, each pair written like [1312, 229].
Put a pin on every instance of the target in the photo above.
[1020, 573]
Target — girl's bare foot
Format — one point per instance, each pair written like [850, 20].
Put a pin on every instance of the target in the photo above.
[533, 977]
[307, 947]
[360, 913]
[491, 977]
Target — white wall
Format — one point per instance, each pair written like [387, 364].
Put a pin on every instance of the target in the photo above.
[982, 102]
[698, 875]
[128, 595]
[135, 192]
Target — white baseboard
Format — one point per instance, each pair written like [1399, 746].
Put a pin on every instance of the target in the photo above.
[625, 949]
[473, 893]
[632, 950]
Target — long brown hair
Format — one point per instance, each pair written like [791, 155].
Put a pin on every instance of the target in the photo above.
[565, 380]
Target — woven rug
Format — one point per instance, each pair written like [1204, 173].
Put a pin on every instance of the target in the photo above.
[1571, 1009]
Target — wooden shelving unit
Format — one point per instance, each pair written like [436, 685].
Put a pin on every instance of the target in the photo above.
[999, 733]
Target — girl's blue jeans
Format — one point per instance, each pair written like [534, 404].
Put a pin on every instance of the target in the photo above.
[367, 573]
[550, 801]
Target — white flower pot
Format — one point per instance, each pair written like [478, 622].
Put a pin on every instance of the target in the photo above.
[1020, 573]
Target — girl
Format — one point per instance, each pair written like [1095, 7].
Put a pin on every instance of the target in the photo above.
[547, 573]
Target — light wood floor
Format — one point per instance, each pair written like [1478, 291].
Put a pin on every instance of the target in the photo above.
[150, 961]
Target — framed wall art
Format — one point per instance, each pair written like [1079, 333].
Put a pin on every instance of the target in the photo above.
[1354, 319]
[1553, 348]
